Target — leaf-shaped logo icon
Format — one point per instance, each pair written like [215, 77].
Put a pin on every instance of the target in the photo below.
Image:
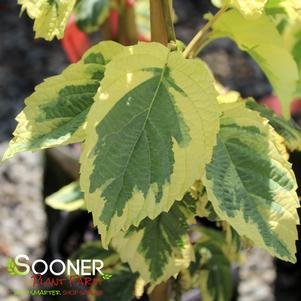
[106, 276]
[12, 269]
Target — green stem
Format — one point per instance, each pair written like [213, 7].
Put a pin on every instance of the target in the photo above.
[193, 48]
[167, 12]
[178, 297]
[177, 289]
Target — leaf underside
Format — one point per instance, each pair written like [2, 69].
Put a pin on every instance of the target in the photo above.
[260, 38]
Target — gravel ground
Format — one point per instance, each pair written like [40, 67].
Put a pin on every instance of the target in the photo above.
[257, 276]
[23, 221]
[23, 64]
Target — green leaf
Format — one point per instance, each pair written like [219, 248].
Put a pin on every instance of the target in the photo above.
[262, 41]
[55, 114]
[93, 250]
[250, 183]
[296, 47]
[150, 133]
[292, 40]
[158, 249]
[250, 9]
[90, 14]
[215, 274]
[285, 128]
[203, 205]
[291, 9]
[211, 271]
[12, 269]
[68, 198]
[120, 287]
[50, 16]
[286, 14]
[117, 281]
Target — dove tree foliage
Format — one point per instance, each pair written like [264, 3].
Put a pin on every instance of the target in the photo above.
[163, 144]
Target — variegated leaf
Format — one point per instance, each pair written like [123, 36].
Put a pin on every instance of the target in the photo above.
[150, 133]
[121, 286]
[158, 249]
[250, 183]
[55, 114]
[211, 270]
[50, 16]
[291, 9]
[250, 9]
[68, 198]
[285, 128]
[117, 281]
[90, 14]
